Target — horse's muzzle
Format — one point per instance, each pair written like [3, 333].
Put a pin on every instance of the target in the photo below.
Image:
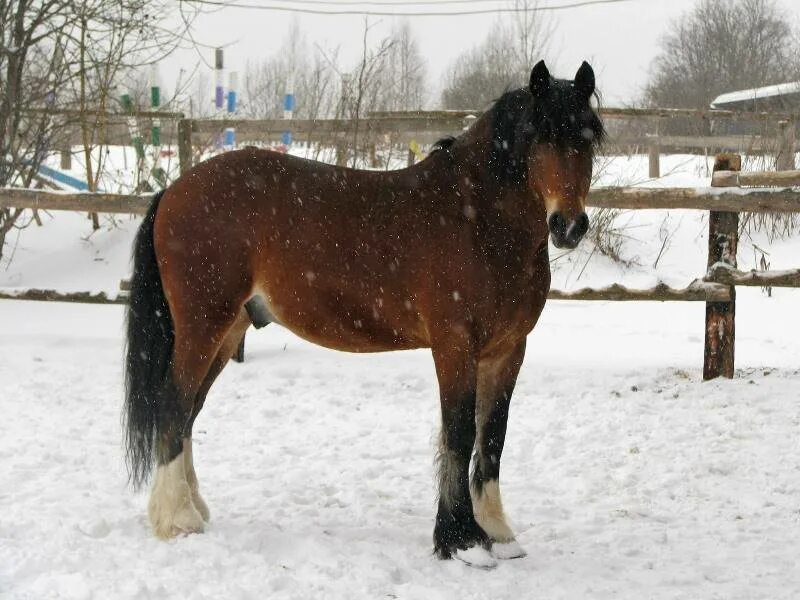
[567, 234]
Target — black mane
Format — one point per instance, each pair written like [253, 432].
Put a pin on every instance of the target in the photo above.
[560, 117]
[443, 144]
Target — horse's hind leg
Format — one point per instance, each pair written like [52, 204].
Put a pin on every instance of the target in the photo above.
[197, 342]
[497, 376]
[227, 349]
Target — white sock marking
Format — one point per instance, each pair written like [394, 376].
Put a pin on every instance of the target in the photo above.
[488, 509]
[170, 509]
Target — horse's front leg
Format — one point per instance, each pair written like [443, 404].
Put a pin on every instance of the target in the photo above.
[457, 534]
[497, 375]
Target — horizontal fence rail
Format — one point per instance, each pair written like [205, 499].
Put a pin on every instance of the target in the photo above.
[722, 273]
[78, 201]
[610, 112]
[697, 291]
[723, 199]
[756, 179]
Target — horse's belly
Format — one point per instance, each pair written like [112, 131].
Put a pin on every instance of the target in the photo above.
[343, 326]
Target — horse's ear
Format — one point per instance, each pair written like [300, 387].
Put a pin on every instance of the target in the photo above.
[540, 79]
[584, 80]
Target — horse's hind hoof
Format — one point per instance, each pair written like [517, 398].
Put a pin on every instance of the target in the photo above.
[508, 550]
[477, 556]
[183, 521]
[186, 521]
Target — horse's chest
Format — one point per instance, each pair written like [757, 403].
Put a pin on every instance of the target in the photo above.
[520, 288]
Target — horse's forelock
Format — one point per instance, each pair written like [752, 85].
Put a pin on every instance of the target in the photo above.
[561, 118]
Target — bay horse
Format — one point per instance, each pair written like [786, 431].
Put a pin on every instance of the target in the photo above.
[450, 254]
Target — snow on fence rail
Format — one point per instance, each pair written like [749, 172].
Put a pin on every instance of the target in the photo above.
[717, 289]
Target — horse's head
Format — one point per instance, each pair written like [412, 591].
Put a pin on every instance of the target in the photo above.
[561, 131]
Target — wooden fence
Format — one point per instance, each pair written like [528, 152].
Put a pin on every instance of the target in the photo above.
[717, 288]
[424, 127]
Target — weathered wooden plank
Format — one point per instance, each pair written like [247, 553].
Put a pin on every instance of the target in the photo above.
[108, 115]
[755, 179]
[749, 143]
[722, 273]
[55, 296]
[246, 127]
[425, 132]
[80, 201]
[706, 115]
[697, 291]
[623, 198]
[622, 113]
[695, 198]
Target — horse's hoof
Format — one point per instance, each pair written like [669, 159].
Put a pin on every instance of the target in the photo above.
[477, 556]
[508, 550]
[185, 520]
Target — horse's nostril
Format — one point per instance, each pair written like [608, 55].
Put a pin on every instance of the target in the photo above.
[581, 226]
[557, 224]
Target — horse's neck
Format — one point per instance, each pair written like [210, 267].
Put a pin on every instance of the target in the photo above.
[470, 158]
[512, 203]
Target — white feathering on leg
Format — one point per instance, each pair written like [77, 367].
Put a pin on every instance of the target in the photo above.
[488, 509]
[191, 478]
[170, 509]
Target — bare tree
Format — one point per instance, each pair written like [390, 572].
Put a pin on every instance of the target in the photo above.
[266, 81]
[389, 75]
[402, 78]
[502, 61]
[104, 46]
[720, 47]
[67, 54]
[366, 84]
[201, 99]
[315, 89]
[30, 74]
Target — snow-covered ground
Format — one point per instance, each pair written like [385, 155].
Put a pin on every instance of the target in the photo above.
[626, 475]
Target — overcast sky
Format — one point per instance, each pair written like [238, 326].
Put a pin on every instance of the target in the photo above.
[619, 40]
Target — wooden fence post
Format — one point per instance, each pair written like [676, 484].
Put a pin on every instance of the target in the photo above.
[654, 158]
[185, 145]
[784, 157]
[66, 159]
[341, 154]
[723, 239]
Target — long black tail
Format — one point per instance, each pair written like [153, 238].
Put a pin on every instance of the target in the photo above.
[150, 340]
